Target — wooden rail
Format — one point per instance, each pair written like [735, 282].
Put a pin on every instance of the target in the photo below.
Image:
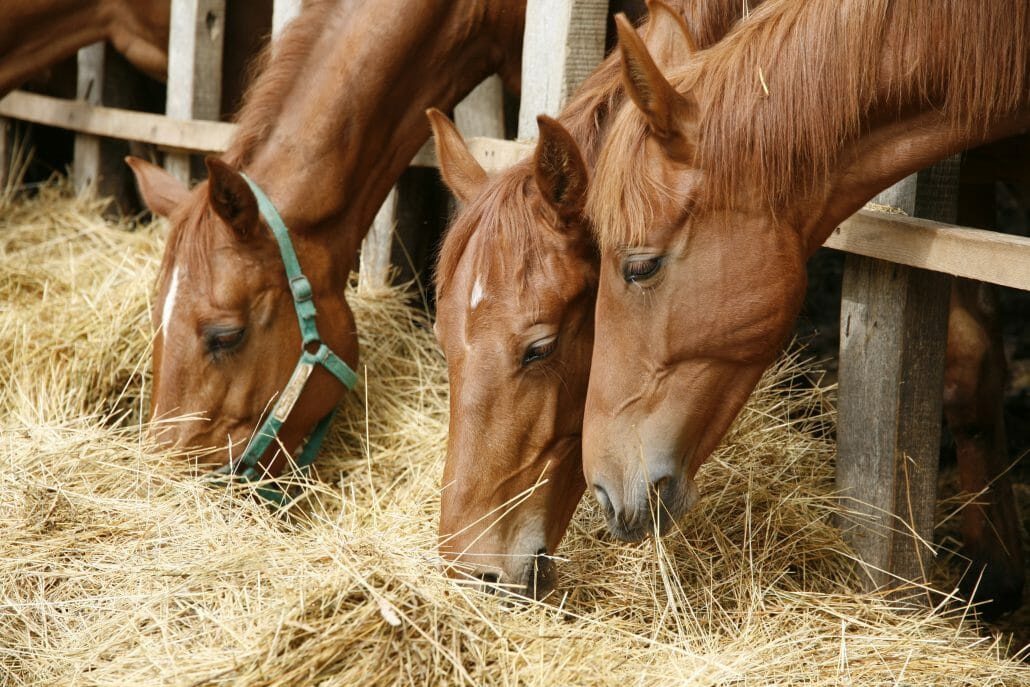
[183, 135]
[961, 251]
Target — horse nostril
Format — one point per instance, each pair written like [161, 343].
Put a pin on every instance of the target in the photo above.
[602, 498]
[541, 552]
[489, 577]
[660, 488]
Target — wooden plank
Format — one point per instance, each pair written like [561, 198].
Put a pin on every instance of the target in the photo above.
[199, 136]
[974, 253]
[405, 230]
[6, 154]
[562, 44]
[481, 113]
[893, 335]
[166, 132]
[104, 76]
[494, 155]
[86, 165]
[194, 68]
[374, 266]
[283, 12]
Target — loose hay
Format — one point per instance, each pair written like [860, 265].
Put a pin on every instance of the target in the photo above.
[117, 568]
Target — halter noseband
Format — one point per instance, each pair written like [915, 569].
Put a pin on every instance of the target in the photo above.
[300, 288]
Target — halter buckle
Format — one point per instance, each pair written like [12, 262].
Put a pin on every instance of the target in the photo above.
[300, 287]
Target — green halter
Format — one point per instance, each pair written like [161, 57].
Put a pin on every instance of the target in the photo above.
[300, 287]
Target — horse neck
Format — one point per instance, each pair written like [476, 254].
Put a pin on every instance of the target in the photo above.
[35, 34]
[353, 117]
[946, 76]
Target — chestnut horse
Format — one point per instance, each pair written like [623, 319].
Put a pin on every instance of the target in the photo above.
[331, 122]
[35, 34]
[716, 184]
[516, 283]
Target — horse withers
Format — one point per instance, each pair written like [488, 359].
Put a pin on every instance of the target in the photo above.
[715, 186]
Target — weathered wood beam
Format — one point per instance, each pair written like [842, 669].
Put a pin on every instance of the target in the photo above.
[562, 44]
[194, 68]
[893, 336]
[974, 253]
[165, 132]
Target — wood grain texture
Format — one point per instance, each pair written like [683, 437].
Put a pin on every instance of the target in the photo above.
[98, 163]
[562, 44]
[165, 132]
[893, 336]
[960, 251]
[481, 113]
[194, 68]
[374, 263]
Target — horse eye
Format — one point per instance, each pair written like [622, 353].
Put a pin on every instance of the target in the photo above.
[219, 340]
[538, 350]
[640, 269]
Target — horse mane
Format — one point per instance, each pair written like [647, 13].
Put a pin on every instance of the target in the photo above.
[785, 92]
[272, 76]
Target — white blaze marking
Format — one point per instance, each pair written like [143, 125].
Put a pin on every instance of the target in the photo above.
[166, 312]
[477, 294]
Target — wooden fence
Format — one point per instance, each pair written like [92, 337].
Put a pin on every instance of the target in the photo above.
[896, 280]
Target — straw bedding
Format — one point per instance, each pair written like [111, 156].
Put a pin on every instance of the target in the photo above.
[117, 567]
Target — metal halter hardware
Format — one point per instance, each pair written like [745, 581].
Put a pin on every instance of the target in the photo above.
[300, 288]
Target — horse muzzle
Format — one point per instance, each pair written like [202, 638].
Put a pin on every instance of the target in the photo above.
[649, 509]
[529, 577]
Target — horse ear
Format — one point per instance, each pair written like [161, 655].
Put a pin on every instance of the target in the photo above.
[561, 175]
[160, 190]
[231, 198]
[669, 40]
[671, 116]
[462, 174]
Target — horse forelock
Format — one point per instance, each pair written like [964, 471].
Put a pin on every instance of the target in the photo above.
[622, 199]
[505, 225]
[190, 242]
[791, 86]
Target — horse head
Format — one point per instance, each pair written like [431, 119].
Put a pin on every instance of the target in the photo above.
[515, 294]
[694, 301]
[226, 337]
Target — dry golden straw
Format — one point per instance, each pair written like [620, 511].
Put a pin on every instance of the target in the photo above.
[117, 567]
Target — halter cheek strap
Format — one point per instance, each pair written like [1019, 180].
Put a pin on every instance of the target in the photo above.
[246, 467]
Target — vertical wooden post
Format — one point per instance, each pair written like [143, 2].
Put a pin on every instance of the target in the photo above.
[374, 263]
[105, 78]
[893, 337]
[86, 165]
[6, 153]
[283, 12]
[481, 113]
[194, 68]
[562, 44]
